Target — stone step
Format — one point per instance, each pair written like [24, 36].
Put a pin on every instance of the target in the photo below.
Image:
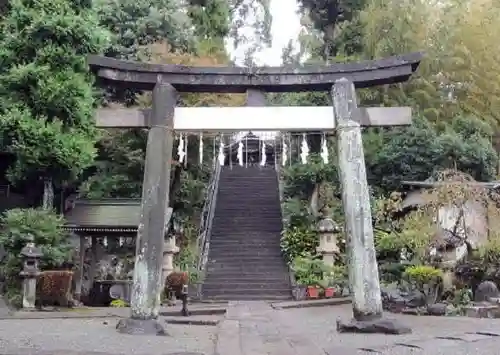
[243, 190]
[237, 251]
[231, 276]
[245, 235]
[228, 232]
[255, 283]
[251, 212]
[249, 175]
[230, 291]
[247, 179]
[224, 225]
[249, 216]
[228, 213]
[220, 269]
[244, 240]
[235, 246]
[248, 202]
[246, 222]
[245, 256]
[267, 297]
[258, 285]
[276, 262]
[247, 238]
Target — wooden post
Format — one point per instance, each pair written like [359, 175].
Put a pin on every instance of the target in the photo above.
[146, 290]
[363, 267]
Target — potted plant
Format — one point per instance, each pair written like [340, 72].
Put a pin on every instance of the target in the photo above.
[313, 283]
[335, 279]
[330, 292]
[301, 271]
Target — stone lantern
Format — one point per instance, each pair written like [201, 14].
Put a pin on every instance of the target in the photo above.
[170, 249]
[328, 248]
[31, 256]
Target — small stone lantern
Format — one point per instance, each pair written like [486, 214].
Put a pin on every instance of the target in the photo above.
[31, 256]
[328, 247]
[170, 249]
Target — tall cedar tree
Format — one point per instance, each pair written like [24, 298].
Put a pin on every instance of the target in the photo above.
[46, 95]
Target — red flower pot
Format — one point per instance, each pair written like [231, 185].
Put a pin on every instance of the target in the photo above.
[329, 292]
[312, 292]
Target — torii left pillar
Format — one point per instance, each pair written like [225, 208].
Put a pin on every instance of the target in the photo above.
[147, 284]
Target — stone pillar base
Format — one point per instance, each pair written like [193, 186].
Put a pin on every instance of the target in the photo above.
[133, 326]
[373, 326]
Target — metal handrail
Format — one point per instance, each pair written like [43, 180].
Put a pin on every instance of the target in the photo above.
[207, 216]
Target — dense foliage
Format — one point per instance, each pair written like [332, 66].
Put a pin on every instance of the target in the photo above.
[47, 100]
[18, 225]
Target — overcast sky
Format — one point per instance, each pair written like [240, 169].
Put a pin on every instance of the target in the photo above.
[286, 26]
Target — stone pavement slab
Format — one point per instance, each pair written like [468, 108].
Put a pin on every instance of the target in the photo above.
[256, 328]
[431, 335]
[197, 309]
[251, 328]
[89, 336]
[311, 303]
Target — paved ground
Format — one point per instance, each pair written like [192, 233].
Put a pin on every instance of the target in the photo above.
[312, 331]
[431, 335]
[84, 336]
[252, 328]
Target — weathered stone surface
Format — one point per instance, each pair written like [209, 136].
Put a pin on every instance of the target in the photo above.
[240, 79]
[381, 326]
[486, 291]
[133, 326]
[394, 300]
[437, 309]
[363, 267]
[147, 286]
[483, 311]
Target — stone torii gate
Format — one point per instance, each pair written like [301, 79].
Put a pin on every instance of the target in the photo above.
[345, 118]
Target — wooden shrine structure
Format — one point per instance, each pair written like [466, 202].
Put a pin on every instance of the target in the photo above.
[345, 119]
[90, 220]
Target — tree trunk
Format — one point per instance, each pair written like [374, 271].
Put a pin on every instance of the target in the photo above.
[48, 194]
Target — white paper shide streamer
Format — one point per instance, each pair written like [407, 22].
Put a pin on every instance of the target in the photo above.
[284, 153]
[221, 153]
[240, 153]
[324, 151]
[186, 140]
[304, 150]
[180, 149]
[201, 148]
[263, 154]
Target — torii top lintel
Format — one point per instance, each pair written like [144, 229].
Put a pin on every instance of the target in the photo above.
[270, 79]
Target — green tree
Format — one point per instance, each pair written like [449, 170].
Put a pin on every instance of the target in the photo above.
[414, 153]
[47, 100]
[461, 69]
[337, 21]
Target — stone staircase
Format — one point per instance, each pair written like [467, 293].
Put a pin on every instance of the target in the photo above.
[244, 260]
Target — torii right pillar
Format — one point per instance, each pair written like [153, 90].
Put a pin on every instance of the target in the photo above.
[362, 261]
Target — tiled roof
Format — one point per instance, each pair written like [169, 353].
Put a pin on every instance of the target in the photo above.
[114, 215]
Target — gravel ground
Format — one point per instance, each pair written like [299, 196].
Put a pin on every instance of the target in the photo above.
[85, 336]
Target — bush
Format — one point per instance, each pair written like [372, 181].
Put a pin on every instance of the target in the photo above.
[298, 242]
[308, 271]
[46, 228]
[54, 288]
[426, 279]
